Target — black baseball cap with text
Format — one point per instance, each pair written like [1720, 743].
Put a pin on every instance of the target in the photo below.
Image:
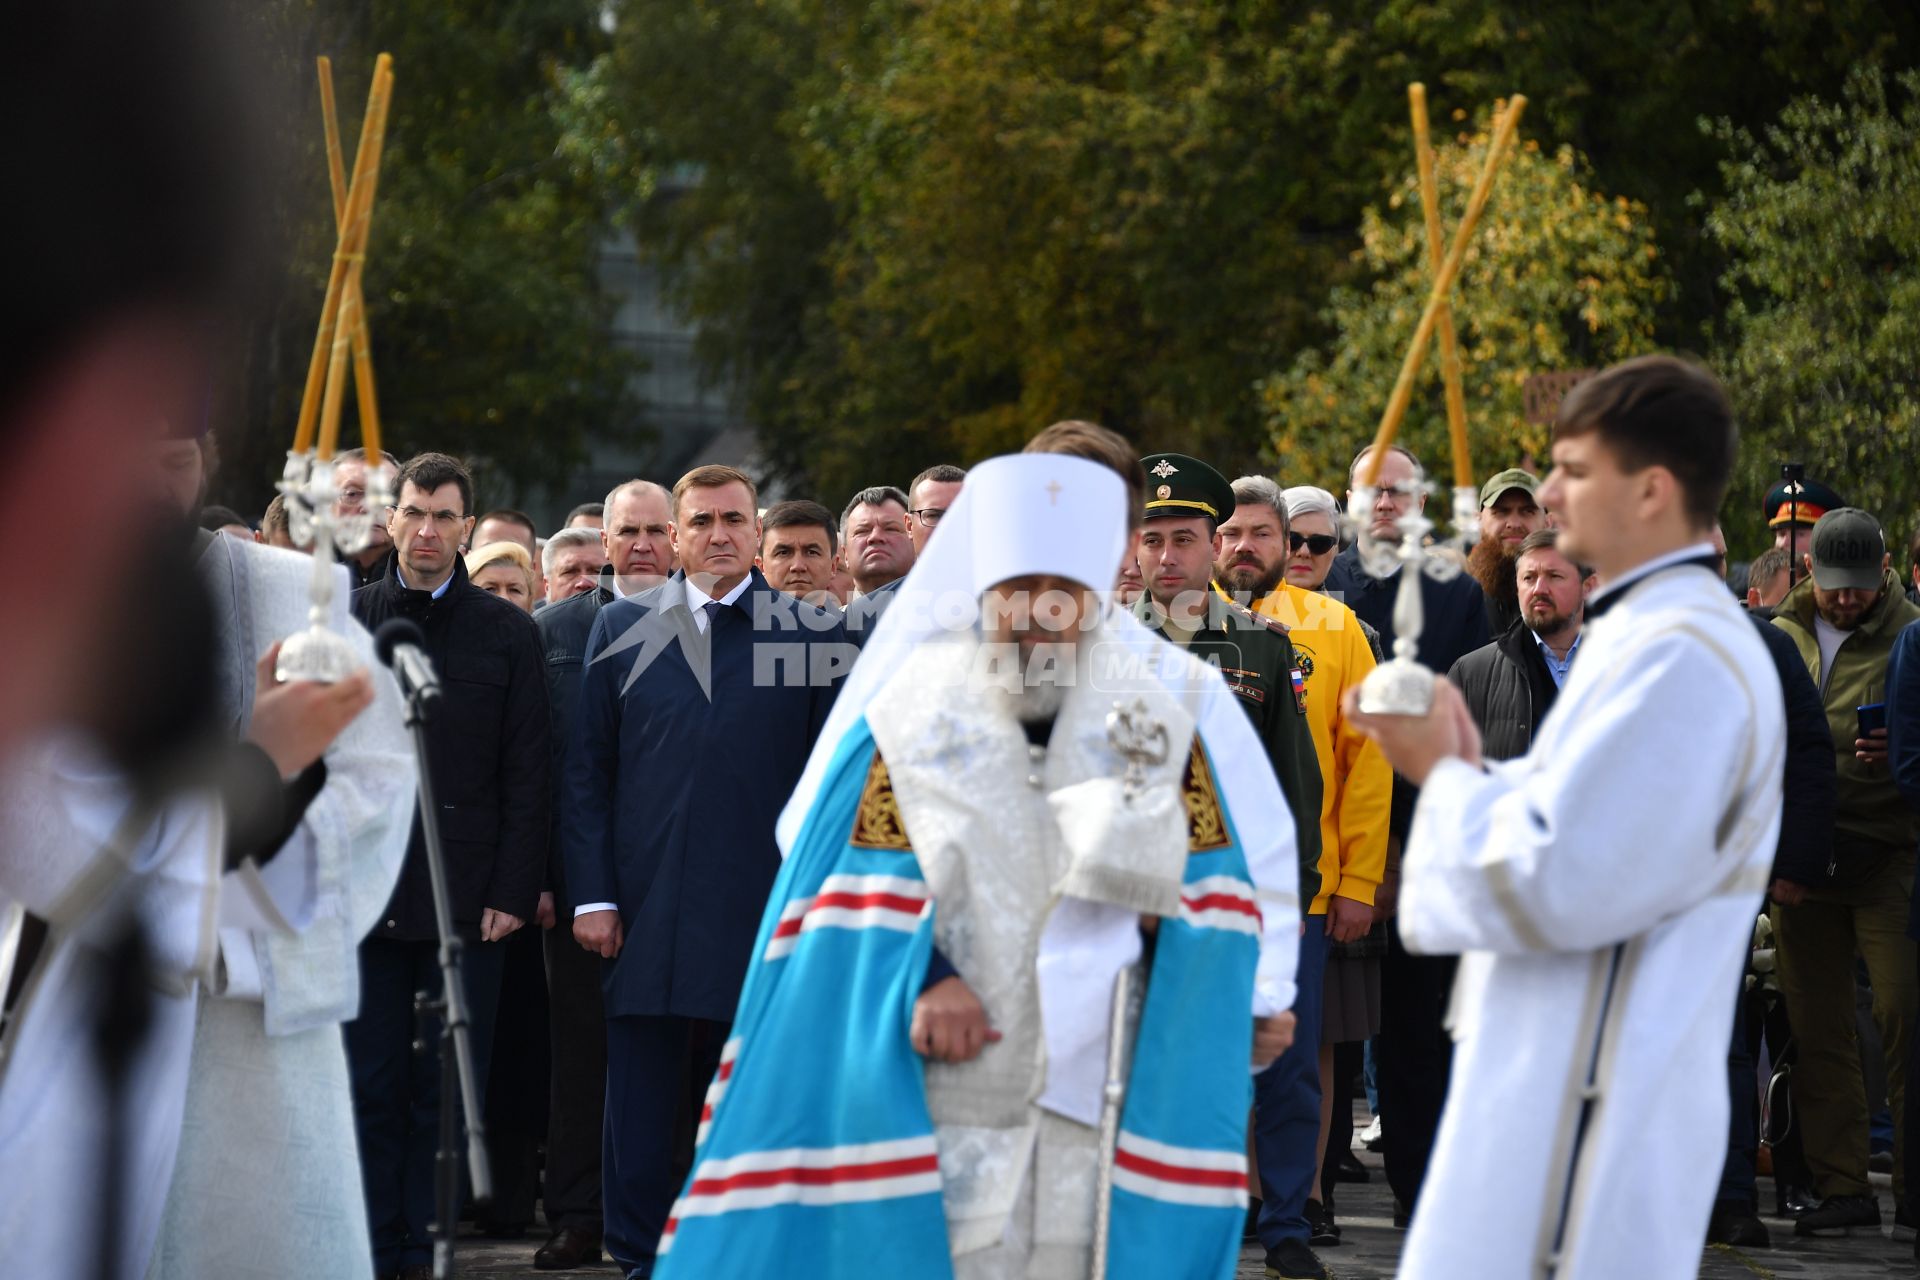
[1849, 551]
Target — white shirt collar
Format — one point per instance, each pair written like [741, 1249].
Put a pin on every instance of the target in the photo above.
[698, 599]
[438, 592]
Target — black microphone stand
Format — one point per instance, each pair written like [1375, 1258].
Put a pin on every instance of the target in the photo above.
[456, 1041]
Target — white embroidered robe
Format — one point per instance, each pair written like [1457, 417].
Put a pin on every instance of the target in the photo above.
[1603, 889]
[1040, 873]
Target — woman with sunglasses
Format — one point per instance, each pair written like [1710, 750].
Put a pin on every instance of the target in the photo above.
[1312, 519]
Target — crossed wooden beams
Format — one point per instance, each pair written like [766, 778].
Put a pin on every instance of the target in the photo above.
[343, 320]
[1438, 315]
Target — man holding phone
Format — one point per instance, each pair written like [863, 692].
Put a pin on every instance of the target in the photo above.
[1844, 617]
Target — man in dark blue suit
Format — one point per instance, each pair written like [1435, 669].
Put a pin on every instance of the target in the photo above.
[700, 703]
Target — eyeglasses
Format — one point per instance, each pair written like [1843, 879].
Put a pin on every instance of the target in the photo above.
[1316, 543]
[446, 520]
[928, 515]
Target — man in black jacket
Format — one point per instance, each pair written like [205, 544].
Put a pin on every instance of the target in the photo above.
[488, 752]
[1414, 1052]
[1510, 683]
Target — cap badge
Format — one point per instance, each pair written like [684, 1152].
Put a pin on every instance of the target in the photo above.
[1165, 469]
[1164, 491]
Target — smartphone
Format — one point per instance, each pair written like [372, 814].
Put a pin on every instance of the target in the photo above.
[1872, 716]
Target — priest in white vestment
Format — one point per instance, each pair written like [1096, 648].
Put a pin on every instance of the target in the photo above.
[1602, 888]
[1008, 783]
[78, 850]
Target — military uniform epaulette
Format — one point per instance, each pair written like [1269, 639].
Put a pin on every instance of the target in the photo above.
[1247, 617]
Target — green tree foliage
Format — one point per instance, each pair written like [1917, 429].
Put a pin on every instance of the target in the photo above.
[689, 119]
[489, 332]
[1559, 276]
[1822, 222]
[914, 232]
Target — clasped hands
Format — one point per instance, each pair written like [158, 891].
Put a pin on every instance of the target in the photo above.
[950, 1025]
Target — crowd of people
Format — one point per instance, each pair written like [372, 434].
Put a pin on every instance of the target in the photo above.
[628, 816]
[801, 928]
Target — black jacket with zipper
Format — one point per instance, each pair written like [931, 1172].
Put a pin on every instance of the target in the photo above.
[488, 754]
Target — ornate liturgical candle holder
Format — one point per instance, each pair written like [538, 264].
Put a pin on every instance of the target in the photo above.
[1401, 686]
[319, 653]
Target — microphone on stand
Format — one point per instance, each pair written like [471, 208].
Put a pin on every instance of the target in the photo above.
[402, 646]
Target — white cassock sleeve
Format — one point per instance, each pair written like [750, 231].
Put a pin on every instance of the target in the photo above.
[291, 929]
[350, 844]
[1610, 825]
[1258, 810]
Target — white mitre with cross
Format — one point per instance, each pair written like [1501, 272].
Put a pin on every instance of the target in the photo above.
[1019, 514]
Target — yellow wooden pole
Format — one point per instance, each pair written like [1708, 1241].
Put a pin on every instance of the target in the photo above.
[354, 303]
[1396, 409]
[353, 255]
[304, 430]
[1443, 324]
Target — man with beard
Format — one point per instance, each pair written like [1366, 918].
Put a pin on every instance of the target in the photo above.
[1509, 513]
[1510, 683]
[1844, 620]
[1333, 655]
[990, 798]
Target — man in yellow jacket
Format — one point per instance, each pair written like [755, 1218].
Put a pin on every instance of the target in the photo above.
[1356, 783]
[1334, 656]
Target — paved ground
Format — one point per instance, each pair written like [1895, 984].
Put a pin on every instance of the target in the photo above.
[1371, 1247]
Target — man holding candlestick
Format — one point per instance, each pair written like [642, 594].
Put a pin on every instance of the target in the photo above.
[1599, 937]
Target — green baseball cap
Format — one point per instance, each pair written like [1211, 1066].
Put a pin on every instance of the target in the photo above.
[1849, 551]
[1511, 478]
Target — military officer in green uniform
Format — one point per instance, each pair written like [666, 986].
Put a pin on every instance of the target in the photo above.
[1187, 501]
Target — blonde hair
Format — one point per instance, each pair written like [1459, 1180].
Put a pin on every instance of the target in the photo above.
[493, 553]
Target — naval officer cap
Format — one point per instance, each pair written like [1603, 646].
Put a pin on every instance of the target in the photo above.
[1181, 486]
